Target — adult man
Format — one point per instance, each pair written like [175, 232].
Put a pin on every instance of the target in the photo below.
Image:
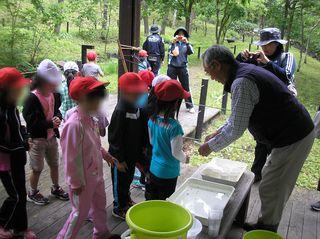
[262, 103]
[283, 64]
[154, 45]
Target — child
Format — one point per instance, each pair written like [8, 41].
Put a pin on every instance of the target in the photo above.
[92, 68]
[82, 154]
[13, 146]
[166, 139]
[143, 61]
[128, 137]
[147, 77]
[70, 69]
[43, 118]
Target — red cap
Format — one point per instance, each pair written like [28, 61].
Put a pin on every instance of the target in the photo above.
[91, 55]
[12, 78]
[146, 76]
[143, 53]
[131, 82]
[170, 90]
[83, 85]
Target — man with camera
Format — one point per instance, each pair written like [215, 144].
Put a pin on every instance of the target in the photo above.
[282, 64]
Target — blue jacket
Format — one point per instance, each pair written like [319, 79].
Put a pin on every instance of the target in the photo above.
[181, 60]
[154, 45]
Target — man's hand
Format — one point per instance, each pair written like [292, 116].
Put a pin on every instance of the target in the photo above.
[210, 136]
[56, 122]
[246, 54]
[262, 58]
[122, 167]
[111, 161]
[204, 150]
[77, 191]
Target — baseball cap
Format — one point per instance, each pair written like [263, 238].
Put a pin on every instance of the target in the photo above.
[146, 76]
[49, 72]
[91, 55]
[160, 78]
[170, 90]
[84, 85]
[12, 78]
[131, 82]
[70, 65]
[143, 53]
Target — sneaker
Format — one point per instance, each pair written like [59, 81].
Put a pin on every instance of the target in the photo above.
[59, 193]
[316, 206]
[37, 198]
[191, 110]
[5, 233]
[119, 213]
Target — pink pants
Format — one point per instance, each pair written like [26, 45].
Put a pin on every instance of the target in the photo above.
[92, 199]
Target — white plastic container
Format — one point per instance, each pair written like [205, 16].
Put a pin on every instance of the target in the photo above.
[200, 197]
[195, 230]
[223, 171]
[214, 222]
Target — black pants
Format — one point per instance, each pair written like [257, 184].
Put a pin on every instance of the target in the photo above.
[13, 212]
[261, 153]
[121, 186]
[159, 188]
[182, 74]
[155, 66]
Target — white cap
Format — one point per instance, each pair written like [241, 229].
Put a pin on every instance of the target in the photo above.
[49, 72]
[70, 65]
[158, 79]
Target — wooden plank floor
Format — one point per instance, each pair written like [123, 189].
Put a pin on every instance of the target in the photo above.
[298, 221]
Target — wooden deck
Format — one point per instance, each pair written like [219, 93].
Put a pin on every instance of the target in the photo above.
[298, 222]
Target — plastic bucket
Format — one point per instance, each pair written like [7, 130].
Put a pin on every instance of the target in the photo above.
[262, 234]
[158, 220]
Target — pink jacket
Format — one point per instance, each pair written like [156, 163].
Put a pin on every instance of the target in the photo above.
[81, 149]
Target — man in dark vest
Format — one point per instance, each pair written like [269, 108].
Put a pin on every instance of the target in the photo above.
[154, 45]
[262, 103]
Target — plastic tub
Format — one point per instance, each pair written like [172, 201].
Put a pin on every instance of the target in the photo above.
[158, 220]
[195, 230]
[262, 234]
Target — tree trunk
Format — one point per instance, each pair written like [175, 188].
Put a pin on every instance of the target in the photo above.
[174, 18]
[145, 17]
[164, 24]
[205, 28]
[309, 39]
[187, 12]
[105, 14]
[284, 21]
[289, 29]
[57, 27]
[302, 38]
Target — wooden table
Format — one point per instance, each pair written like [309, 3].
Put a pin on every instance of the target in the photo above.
[236, 209]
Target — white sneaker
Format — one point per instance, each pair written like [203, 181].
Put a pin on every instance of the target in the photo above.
[191, 110]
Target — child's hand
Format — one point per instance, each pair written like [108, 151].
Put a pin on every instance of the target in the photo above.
[77, 191]
[56, 122]
[111, 161]
[30, 143]
[122, 167]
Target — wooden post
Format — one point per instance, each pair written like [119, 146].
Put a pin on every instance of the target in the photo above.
[202, 107]
[84, 49]
[234, 49]
[199, 52]
[249, 46]
[67, 27]
[318, 185]
[224, 101]
[129, 31]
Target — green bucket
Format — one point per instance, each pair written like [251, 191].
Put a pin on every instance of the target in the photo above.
[158, 220]
[262, 234]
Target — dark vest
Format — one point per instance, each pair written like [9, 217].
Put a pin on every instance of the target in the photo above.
[279, 119]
